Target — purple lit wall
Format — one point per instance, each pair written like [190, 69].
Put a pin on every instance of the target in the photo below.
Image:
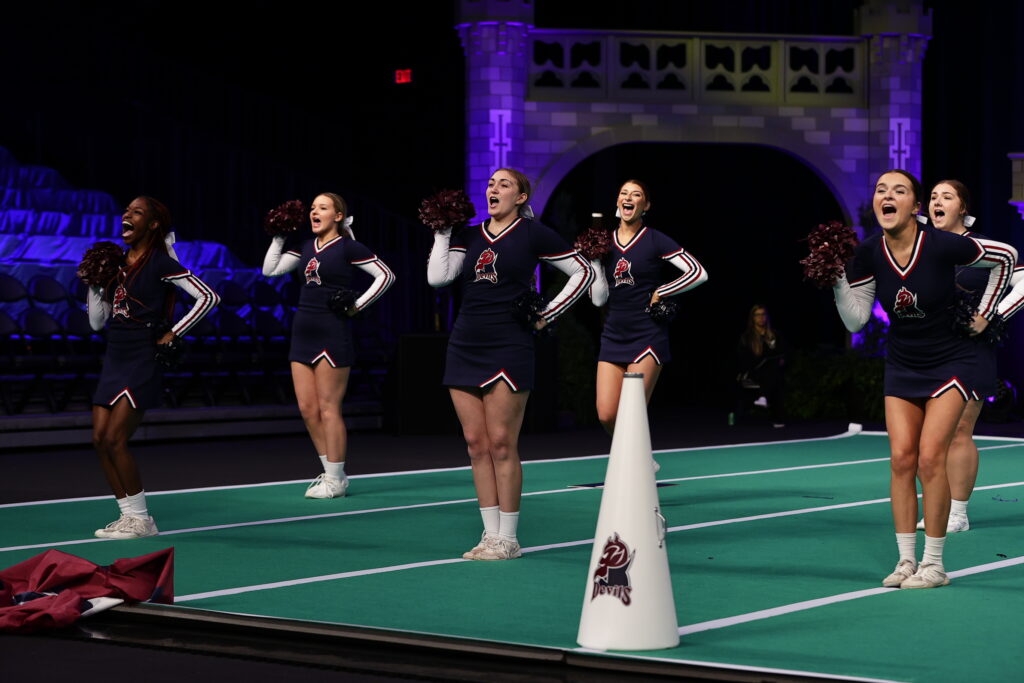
[495, 40]
[543, 100]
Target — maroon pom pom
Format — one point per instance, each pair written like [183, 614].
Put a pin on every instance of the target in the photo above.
[446, 209]
[832, 245]
[100, 264]
[594, 243]
[285, 219]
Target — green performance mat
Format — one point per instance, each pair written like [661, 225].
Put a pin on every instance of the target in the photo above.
[777, 551]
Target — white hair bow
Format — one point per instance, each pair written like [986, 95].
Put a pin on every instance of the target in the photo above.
[346, 225]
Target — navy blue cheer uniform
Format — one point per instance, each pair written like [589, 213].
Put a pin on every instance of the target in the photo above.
[140, 301]
[487, 343]
[925, 355]
[633, 273]
[317, 332]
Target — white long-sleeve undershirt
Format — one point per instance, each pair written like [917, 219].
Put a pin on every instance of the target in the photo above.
[205, 301]
[279, 262]
[445, 265]
[694, 275]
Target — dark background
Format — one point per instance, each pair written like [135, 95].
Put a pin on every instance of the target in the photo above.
[225, 114]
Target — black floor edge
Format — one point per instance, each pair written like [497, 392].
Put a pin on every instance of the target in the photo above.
[381, 652]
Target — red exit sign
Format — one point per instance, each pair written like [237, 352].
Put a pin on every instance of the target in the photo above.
[403, 75]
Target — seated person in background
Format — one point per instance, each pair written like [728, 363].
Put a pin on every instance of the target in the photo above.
[761, 360]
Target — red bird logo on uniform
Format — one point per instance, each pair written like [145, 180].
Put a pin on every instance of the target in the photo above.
[485, 266]
[906, 305]
[120, 302]
[611, 577]
[313, 271]
[622, 273]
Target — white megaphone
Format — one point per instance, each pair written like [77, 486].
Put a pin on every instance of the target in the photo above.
[628, 602]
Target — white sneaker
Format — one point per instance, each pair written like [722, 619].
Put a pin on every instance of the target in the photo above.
[957, 523]
[657, 467]
[134, 527]
[927, 576]
[499, 548]
[325, 486]
[474, 553]
[904, 570]
[111, 528]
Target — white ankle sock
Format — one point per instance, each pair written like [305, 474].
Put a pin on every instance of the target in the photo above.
[490, 517]
[323, 461]
[907, 544]
[137, 505]
[958, 507]
[334, 469]
[124, 506]
[933, 550]
[508, 523]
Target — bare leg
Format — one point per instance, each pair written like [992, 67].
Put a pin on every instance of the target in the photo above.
[503, 411]
[904, 419]
[962, 461]
[330, 390]
[309, 404]
[941, 416]
[469, 406]
[112, 427]
[609, 387]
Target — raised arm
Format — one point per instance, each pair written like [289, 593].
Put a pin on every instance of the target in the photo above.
[278, 261]
[854, 301]
[693, 275]
[99, 309]
[206, 300]
[445, 262]
[599, 290]
[581, 277]
[383, 278]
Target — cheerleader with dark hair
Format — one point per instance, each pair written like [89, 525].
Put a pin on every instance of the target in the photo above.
[138, 301]
[629, 279]
[948, 209]
[322, 350]
[931, 372]
[490, 361]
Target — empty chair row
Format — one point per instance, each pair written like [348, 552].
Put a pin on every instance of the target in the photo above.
[29, 177]
[33, 284]
[71, 201]
[41, 289]
[36, 331]
[198, 255]
[60, 223]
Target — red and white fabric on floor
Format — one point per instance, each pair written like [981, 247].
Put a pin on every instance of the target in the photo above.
[54, 589]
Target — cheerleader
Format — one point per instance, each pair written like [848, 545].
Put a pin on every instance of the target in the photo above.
[948, 209]
[628, 280]
[321, 351]
[490, 360]
[138, 303]
[930, 371]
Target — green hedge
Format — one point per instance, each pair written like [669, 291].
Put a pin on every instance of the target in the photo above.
[847, 386]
